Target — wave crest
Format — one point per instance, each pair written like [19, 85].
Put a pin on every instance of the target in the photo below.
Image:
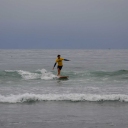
[43, 74]
[27, 75]
[27, 97]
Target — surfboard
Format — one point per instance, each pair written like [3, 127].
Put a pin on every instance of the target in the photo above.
[62, 77]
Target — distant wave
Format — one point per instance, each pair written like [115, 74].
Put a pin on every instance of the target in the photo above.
[27, 97]
[115, 75]
[102, 73]
[112, 73]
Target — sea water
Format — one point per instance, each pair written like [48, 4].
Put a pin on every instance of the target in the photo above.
[95, 76]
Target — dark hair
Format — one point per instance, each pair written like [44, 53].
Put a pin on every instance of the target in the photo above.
[58, 55]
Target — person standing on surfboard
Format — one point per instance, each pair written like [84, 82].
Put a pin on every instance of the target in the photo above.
[59, 60]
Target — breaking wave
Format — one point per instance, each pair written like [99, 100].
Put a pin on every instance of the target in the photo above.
[43, 74]
[28, 97]
[27, 75]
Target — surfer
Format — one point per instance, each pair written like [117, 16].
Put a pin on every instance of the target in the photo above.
[59, 60]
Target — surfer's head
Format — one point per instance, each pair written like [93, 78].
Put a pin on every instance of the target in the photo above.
[58, 56]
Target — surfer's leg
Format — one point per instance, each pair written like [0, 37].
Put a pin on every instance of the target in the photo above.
[58, 72]
[59, 69]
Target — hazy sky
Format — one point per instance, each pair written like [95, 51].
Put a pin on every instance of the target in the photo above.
[55, 24]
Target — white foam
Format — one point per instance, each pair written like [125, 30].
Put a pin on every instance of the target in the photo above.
[46, 75]
[28, 75]
[38, 74]
[28, 97]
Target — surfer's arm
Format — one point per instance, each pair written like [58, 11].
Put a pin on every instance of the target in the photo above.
[66, 60]
[54, 65]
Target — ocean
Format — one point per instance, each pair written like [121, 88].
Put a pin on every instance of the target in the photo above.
[94, 96]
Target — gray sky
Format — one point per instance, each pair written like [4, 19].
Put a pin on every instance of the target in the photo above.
[89, 24]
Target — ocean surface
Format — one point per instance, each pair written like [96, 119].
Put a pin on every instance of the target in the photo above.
[95, 95]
